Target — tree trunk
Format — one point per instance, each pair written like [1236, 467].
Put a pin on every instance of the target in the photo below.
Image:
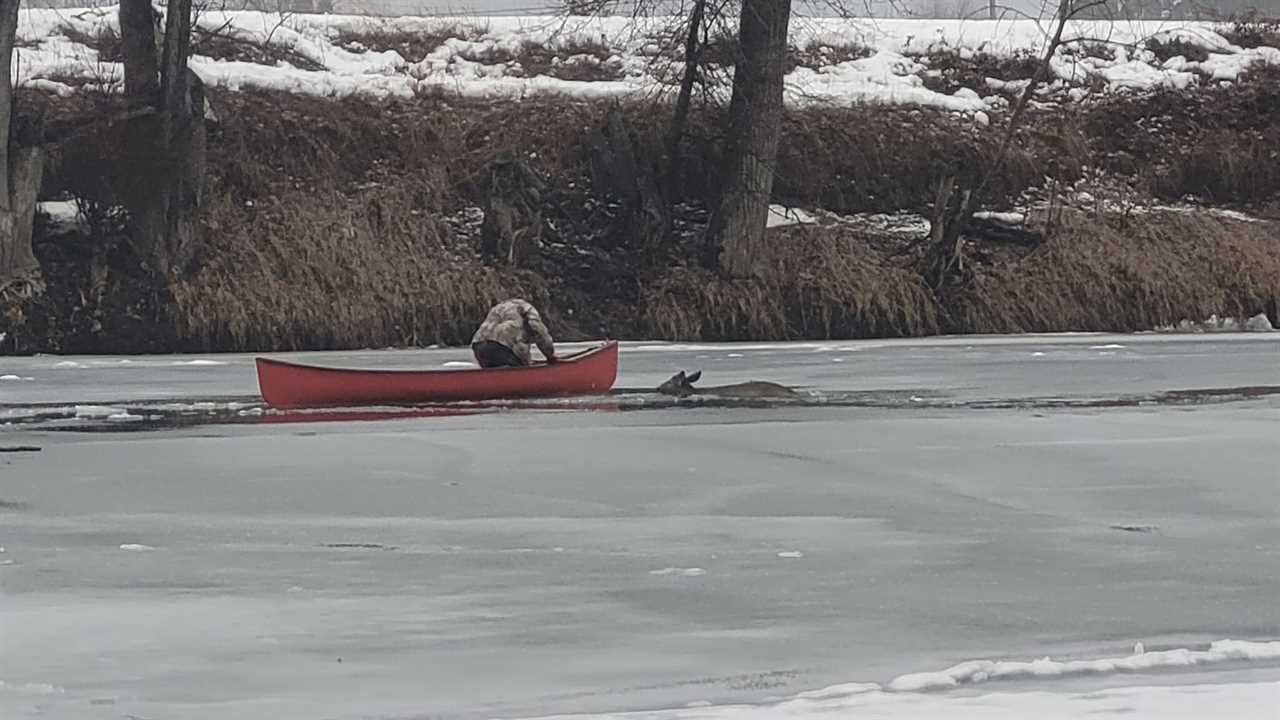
[736, 235]
[162, 210]
[8, 34]
[138, 45]
[20, 169]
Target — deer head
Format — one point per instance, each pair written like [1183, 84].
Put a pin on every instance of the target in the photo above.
[680, 385]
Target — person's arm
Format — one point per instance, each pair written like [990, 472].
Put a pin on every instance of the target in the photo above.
[540, 334]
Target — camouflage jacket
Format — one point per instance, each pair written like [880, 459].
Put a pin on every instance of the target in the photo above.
[516, 324]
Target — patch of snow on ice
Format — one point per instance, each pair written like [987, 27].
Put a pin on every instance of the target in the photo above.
[70, 364]
[838, 692]
[684, 572]
[199, 363]
[123, 416]
[791, 554]
[97, 411]
[459, 363]
[1111, 346]
[136, 547]
[12, 378]
[31, 688]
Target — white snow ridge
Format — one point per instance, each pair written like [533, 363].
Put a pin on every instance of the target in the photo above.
[325, 56]
[978, 671]
[907, 697]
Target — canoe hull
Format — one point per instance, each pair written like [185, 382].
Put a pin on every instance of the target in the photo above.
[286, 385]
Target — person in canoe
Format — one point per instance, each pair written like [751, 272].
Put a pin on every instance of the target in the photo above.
[505, 336]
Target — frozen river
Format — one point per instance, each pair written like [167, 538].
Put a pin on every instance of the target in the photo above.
[168, 554]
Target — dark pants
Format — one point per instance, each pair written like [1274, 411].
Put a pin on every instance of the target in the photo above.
[491, 354]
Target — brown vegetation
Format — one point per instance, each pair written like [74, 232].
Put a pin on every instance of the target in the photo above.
[822, 282]
[325, 224]
[1157, 270]
[1252, 30]
[413, 45]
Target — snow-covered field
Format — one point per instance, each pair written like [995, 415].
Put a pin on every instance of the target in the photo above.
[483, 57]
[904, 559]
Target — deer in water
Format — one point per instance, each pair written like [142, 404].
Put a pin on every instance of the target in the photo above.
[681, 385]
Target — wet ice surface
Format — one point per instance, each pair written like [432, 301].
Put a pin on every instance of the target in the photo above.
[519, 562]
[1072, 370]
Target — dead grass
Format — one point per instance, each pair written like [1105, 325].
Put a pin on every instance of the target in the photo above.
[820, 283]
[223, 46]
[1217, 143]
[332, 270]
[413, 46]
[572, 58]
[814, 54]
[1163, 268]
[106, 41]
[1164, 50]
[322, 225]
[1225, 167]
[721, 51]
[332, 238]
[1252, 30]
[953, 70]
[883, 159]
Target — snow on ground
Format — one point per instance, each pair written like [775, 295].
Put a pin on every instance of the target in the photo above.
[616, 56]
[780, 216]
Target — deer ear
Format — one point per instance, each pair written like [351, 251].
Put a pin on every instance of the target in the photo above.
[694, 377]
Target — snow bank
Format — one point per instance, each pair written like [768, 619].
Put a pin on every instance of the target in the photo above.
[984, 670]
[905, 698]
[1239, 701]
[902, 698]
[487, 59]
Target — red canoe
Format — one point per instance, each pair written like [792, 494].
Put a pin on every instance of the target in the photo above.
[286, 385]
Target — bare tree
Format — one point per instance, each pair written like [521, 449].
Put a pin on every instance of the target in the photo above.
[692, 59]
[737, 230]
[20, 168]
[162, 206]
[954, 207]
